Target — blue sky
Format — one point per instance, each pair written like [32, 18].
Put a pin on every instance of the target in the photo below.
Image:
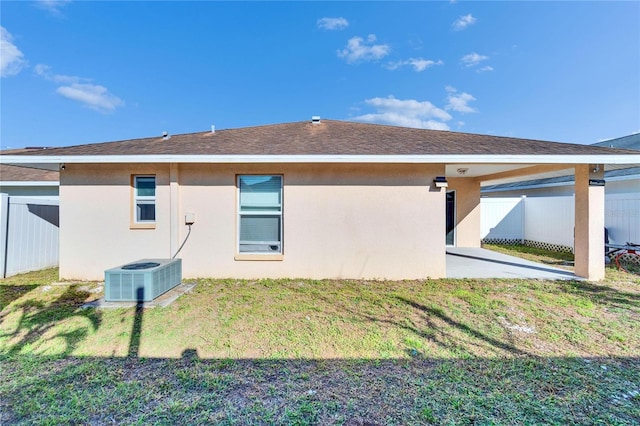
[78, 72]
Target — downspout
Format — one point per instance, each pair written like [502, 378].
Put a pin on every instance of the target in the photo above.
[4, 234]
[174, 208]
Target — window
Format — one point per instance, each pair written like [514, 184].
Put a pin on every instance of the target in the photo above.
[144, 195]
[260, 214]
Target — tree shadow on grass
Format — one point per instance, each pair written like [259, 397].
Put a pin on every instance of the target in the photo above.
[39, 318]
[428, 327]
[10, 293]
[601, 294]
[428, 313]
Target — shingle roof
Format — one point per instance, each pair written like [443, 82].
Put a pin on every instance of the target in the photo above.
[9, 173]
[329, 137]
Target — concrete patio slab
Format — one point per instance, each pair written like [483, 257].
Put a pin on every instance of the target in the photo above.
[162, 301]
[467, 262]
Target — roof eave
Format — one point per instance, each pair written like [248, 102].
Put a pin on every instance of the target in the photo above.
[22, 183]
[427, 159]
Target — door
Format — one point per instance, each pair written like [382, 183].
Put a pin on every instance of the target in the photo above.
[451, 218]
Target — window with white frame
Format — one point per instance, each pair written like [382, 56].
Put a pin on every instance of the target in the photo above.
[144, 195]
[260, 214]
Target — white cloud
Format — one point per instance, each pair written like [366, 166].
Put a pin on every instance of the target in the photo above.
[332, 23]
[459, 102]
[42, 70]
[358, 50]
[473, 59]
[485, 69]
[418, 64]
[45, 72]
[407, 113]
[53, 6]
[91, 95]
[79, 89]
[397, 119]
[463, 22]
[11, 58]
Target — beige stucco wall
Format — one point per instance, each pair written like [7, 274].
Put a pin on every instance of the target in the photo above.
[340, 221]
[95, 213]
[589, 223]
[467, 211]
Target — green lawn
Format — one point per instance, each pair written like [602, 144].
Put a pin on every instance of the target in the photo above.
[325, 352]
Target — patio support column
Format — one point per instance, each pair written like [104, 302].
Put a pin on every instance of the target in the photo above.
[174, 209]
[589, 221]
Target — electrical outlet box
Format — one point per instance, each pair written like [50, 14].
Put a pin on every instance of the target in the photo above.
[189, 218]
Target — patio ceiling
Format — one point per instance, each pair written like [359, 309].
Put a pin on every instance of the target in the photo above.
[495, 174]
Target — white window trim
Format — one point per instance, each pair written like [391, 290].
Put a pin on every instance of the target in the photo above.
[259, 255]
[145, 199]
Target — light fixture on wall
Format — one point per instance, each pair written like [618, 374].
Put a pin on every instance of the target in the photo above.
[63, 166]
[440, 182]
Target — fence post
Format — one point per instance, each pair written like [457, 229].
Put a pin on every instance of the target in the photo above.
[523, 209]
[4, 221]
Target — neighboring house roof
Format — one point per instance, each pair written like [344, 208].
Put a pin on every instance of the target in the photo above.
[19, 150]
[11, 173]
[625, 142]
[612, 175]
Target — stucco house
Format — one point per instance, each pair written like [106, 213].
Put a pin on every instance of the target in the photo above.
[313, 199]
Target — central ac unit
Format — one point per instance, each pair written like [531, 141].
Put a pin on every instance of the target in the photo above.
[141, 281]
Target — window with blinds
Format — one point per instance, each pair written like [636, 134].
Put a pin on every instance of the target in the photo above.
[144, 199]
[260, 214]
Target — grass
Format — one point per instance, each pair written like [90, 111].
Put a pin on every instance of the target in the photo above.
[560, 259]
[325, 352]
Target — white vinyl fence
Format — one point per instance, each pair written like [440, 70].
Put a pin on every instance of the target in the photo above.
[502, 219]
[549, 221]
[622, 218]
[29, 230]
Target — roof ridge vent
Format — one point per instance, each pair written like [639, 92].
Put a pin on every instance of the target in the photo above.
[165, 136]
[315, 119]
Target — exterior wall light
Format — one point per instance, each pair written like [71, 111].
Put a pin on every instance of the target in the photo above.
[440, 182]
